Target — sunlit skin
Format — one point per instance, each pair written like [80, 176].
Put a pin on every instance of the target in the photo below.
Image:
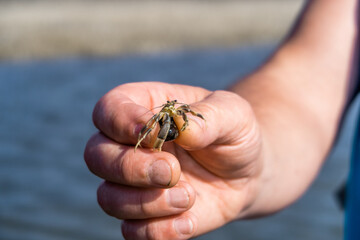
[261, 146]
[216, 159]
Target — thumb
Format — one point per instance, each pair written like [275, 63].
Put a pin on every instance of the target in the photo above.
[227, 119]
[228, 143]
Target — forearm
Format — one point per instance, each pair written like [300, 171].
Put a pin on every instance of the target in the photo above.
[298, 97]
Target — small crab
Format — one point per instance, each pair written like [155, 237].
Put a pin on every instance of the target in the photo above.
[168, 128]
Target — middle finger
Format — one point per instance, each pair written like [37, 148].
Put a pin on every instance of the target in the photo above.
[121, 164]
[141, 203]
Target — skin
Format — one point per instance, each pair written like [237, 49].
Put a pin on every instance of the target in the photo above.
[262, 144]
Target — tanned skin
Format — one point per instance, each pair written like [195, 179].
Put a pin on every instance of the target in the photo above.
[261, 146]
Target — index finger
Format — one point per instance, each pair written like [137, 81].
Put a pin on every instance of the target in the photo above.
[123, 123]
[121, 113]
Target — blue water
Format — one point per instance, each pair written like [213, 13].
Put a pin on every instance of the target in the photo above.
[46, 191]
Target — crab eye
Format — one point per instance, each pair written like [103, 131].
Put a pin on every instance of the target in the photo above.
[168, 101]
[175, 100]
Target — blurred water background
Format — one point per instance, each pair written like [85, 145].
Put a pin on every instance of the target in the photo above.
[46, 191]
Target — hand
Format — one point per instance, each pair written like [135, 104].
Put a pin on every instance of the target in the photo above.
[205, 179]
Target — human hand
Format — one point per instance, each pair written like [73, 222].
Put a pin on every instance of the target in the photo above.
[204, 179]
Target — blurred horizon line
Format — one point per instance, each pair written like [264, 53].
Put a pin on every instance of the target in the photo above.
[53, 28]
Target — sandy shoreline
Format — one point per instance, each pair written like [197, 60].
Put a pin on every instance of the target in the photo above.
[55, 29]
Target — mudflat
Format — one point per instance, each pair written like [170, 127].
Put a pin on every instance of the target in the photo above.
[48, 29]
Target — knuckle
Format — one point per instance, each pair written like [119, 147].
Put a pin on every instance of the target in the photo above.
[98, 112]
[120, 168]
[103, 198]
[152, 232]
[110, 201]
[129, 172]
[136, 230]
[90, 152]
[104, 117]
[145, 210]
[125, 169]
[127, 231]
[87, 154]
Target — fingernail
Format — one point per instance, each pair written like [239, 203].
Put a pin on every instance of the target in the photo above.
[183, 226]
[160, 173]
[178, 197]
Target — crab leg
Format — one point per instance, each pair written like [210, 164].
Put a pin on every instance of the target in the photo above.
[164, 130]
[146, 129]
[185, 118]
[182, 110]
